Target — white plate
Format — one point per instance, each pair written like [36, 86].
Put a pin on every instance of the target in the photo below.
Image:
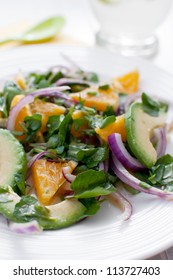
[104, 236]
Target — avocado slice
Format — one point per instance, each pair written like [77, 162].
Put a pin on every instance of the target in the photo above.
[139, 128]
[12, 158]
[59, 216]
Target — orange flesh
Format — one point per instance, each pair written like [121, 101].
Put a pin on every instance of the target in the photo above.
[127, 83]
[100, 101]
[48, 178]
[115, 127]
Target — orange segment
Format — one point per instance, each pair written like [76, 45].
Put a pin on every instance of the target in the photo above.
[118, 126]
[22, 114]
[46, 109]
[128, 83]
[99, 99]
[48, 178]
[77, 114]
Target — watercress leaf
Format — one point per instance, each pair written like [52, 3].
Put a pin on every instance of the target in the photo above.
[104, 87]
[88, 179]
[53, 124]
[153, 107]
[91, 183]
[92, 156]
[20, 182]
[59, 139]
[33, 123]
[92, 205]
[11, 89]
[28, 209]
[109, 111]
[102, 189]
[108, 120]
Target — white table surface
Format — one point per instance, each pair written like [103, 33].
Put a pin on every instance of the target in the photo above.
[81, 26]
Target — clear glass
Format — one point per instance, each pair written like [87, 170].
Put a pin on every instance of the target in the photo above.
[128, 26]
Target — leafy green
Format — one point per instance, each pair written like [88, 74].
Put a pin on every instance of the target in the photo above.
[161, 173]
[104, 87]
[108, 120]
[20, 182]
[109, 111]
[53, 124]
[153, 107]
[91, 183]
[28, 209]
[92, 156]
[10, 90]
[31, 126]
[59, 139]
[92, 205]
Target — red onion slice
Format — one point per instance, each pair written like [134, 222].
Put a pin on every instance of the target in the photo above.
[118, 198]
[160, 138]
[66, 171]
[135, 183]
[30, 227]
[117, 147]
[38, 156]
[54, 92]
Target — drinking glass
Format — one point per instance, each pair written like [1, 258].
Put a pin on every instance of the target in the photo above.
[128, 26]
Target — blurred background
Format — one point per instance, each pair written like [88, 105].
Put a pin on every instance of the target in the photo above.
[81, 24]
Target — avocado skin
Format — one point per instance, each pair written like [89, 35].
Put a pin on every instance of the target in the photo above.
[147, 157]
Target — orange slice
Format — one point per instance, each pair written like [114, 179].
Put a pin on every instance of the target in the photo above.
[48, 178]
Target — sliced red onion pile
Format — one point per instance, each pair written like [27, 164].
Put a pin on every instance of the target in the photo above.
[118, 198]
[118, 149]
[127, 178]
[30, 227]
[29, 98]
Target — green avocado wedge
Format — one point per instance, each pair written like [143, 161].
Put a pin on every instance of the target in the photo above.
[54, 216]
[13, 163]
[139, 128]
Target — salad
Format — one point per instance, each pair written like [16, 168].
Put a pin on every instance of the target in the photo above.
[69, 142]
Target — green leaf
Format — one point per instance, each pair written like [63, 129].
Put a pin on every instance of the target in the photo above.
[92, 205]
[33, 123]
[53, 124]
[10, 90]
[92, 156]
[108, 120]
[20, 182]
[59, 139]
[104, 87]
[153, 107]
[161, 173]
[31, 126]
[29, 209]
[91, 183]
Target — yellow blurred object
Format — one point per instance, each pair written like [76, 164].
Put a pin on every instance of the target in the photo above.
[116, 127]
[97, 98]
[127, 83]
[20, 80]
